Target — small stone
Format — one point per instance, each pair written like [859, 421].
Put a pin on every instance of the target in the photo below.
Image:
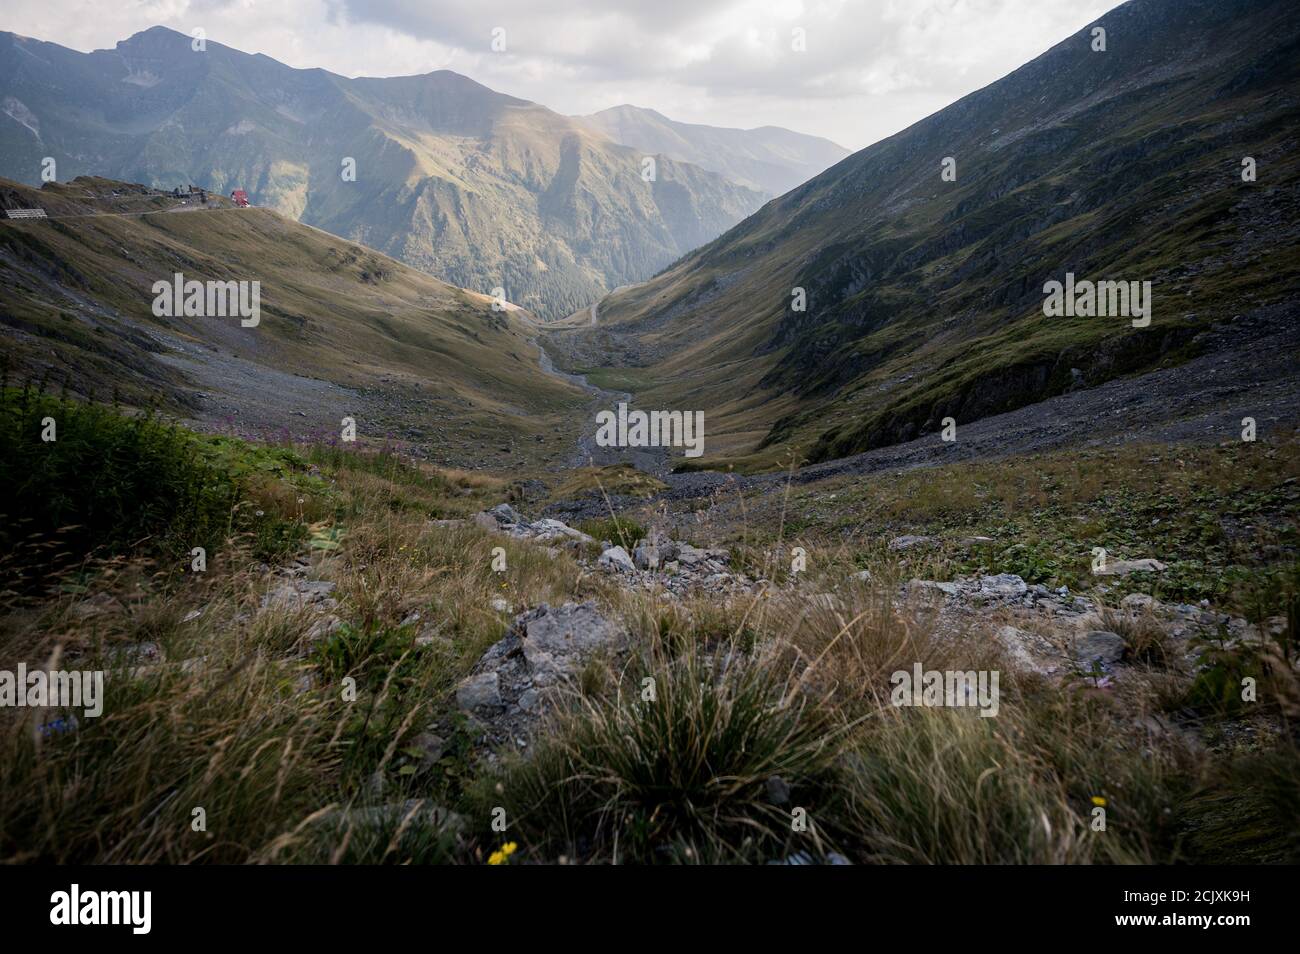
[323, 628]
[778, 790]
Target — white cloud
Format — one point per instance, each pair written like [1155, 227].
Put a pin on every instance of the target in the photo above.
[871, 67]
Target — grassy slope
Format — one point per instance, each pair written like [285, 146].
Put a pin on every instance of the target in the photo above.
[256, 729]
[925, 297]
[331, 310]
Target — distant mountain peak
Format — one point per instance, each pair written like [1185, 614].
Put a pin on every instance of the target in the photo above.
[750, 157]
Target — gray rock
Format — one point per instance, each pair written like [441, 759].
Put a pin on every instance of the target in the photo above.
[616, 558]
[862, 575]
[1139, 602]
[323, 628]
[296, 594]
[483, 690]
[548, 529]
[1003, 586]
[1100, 646]
[565, 634]
[506, 514]
[485, 521]
[778, 790]
[1125, 567]
[932, 587]
[646, 556]
[907, 541]
[432, 746]
[688, 555]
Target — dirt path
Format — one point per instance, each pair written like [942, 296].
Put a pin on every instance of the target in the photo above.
[651, 460]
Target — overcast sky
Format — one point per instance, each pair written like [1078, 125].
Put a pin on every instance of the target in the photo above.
[869, 69]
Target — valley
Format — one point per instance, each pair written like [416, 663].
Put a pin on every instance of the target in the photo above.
[977, 541]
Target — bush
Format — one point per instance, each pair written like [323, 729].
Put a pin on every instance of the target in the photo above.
[682, 777]
[112, 483]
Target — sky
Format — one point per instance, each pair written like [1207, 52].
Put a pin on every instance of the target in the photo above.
[866, 69]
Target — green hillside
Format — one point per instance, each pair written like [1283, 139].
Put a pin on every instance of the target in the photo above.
[344, 331]
[925, 296]
[478, 188]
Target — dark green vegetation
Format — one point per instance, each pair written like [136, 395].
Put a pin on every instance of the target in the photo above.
[105, 484]
[1224, 520]
[924, 296]
[478, 188]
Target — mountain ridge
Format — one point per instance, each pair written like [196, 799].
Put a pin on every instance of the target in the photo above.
[924, 296]
[482, 189]
[768, 158]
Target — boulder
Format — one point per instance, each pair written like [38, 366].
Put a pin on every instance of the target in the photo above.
[932, 588]
[1125, 567]
[688, 555]
[1003, 586]
[1098, 646]
[646, 556]
[506, 515]
[616, 558]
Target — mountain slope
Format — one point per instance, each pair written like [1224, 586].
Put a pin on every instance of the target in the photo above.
[925, 297]
[343, 332]
[478, 188]
[769, 159]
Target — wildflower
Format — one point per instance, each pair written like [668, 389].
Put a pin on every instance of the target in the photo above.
[1099, 801]
[502, 855]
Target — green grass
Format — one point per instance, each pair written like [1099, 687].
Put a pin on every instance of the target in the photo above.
[107, 482]
[1221, 518]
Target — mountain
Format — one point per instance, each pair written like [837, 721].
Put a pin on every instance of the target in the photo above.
[343, 331]
[925, 297]
[770, 159]
[478, 188]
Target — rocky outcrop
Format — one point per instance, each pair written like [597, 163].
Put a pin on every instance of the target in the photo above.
[524, 673]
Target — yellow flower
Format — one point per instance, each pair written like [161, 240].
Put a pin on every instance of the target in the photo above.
[502, 855]
[1099, 801]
